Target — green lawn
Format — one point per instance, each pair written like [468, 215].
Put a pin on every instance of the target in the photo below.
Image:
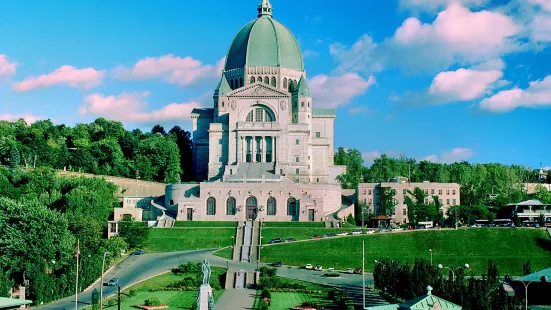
[226, 253]
[285, 301]
[294, 224]
[180, 239]
[174, 299]
[299, 233]
[204, 224]
[509, 248]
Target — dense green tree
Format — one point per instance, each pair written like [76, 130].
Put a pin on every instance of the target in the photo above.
[158, 129]
[134, 233]
[353, 161]
[184, 142]
[388, 202]
[158, 159]
[14, 158]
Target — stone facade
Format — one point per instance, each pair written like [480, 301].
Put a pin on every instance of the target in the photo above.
[370, 193]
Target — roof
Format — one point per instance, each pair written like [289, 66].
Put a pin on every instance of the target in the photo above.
[203, 112]
[536, 276]
[532, 202]
[326, 112]
[381, 217]
[9, 302]
[264, 42]
[223, 87]
[384, 307]
[429, 302]
[302, 88]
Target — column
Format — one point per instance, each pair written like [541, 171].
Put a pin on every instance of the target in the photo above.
[264, 151]
[253, 149]
[274, 149]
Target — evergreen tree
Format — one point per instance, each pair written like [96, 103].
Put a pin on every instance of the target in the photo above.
[14, 158]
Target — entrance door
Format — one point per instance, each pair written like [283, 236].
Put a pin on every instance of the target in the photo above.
[251, 207]
[190, 214]
[311, 217]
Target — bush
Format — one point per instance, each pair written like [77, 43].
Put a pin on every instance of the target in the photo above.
[132, 293]
[152, 301]
[332, 275]
[350, 308]
[331, 294]
[262, 305]
[111, 302]
[266, 294]
[123, 298]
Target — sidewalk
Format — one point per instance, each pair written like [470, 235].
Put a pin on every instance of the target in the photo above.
[233, 299]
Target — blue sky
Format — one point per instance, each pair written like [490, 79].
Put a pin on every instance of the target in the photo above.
[442, 80]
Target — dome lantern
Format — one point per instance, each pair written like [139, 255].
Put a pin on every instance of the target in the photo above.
[264, 9]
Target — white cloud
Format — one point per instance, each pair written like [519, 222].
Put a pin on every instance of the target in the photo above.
[538, 94]
[456, 155]
[68, 75]
[334, 91]
[7, 68]
[29, 118]
[131, 108]
[369, 157]
[359, 110]
[310, 53]
[173, 69]
[463, 84]
[434, 5]
[456, 36]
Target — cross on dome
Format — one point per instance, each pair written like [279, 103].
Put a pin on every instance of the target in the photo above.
[264, 8]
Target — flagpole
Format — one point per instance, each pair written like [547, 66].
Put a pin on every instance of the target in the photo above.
[76, 284]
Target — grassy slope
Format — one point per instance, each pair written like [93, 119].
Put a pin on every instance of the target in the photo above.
[204, 224]
[298, 233]
[226, 253]
[294, 224]
[180, 239]
[508, 248]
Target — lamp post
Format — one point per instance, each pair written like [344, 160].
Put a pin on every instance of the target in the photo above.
[430, 251]
[101, 282]
[526, 293]
[440, 266]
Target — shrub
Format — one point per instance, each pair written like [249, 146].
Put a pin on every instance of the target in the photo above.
[111, 302]
[331, 294]
[332, 275]
[262, 305]
[132, 293]
[152, 301]
[266, 294]
[123, 298]
[350, 308]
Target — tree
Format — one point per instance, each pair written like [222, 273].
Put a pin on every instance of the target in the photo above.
[350, 219]
[541, 220]
[388, 202]
[184, 142]
[542, 194]
[158, 129]
[353, 161]
[158, 159]
[134, 233]
[14, 158]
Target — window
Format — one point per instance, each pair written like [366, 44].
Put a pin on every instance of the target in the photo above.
[308, 104]
[230, 206]
[297, 159]
[253, 80]
[426, 192]
[432, 191]
[453, 192]
[302, 104]
[426, 200]
[273, 81]
[285, 83]
[405, 191]
[440, 192]
[447, 201]
[250, 117]
[231, 84]
[240, 82]
[447, 192]
[268, 117]
[291, 86]
[211, 206]
[258, 114]
[266, 80]
[317, 180]
[318, 134]
[370, 201]
[454, 202]
[364, 191]
[297, 142]
[271, 206]
[222, 104]
[292, 207]
[370, 192]
[297, 171]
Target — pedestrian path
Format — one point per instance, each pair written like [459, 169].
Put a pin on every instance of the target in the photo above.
[236, 299]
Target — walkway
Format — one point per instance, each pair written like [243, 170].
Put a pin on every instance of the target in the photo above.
[236, 299]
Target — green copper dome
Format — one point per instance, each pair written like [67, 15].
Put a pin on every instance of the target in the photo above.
[264, 42]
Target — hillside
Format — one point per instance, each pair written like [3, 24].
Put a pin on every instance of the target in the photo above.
[508, 248]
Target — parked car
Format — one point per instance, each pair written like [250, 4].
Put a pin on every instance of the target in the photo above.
[316, 237]
[369, 232]
[319, 267]
[328, 235]
[342, 234]
[396, 229]
[356, 232]
[138, 252]
[113, 282]
[276, 264]
[275, 240]
[290, 240]
[420, 227]
[308, 266]
[349, 270]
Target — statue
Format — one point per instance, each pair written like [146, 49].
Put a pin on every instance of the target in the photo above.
[206, 272]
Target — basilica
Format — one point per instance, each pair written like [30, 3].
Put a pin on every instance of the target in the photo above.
[263, 151]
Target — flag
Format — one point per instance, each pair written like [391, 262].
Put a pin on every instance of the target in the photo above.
[77, 250]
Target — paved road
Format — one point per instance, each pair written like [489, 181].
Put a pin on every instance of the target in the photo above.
[137, 268]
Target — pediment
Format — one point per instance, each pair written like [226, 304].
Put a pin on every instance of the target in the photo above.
[258, 90]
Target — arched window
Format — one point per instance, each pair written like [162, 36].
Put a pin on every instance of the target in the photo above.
[211, 206]
[291, 207]
[251, 201]
[266, 80]
[259, 79]
[271, 206]
[171, 202]
[230, 206]
[240, 82]
[259, 115]
[253, 80]
[250, 117]
[291, 86]
[285, 83]
[273, 81]
[231, 84]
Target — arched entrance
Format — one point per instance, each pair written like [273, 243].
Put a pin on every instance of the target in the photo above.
[251, 206]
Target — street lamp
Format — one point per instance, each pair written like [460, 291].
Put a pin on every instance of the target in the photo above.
[526, 291]
[440, 266]
[430, 251]
[101, 282]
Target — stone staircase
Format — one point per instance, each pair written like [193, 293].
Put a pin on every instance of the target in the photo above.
[247, 242]
[238, 241]
[255, 242]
